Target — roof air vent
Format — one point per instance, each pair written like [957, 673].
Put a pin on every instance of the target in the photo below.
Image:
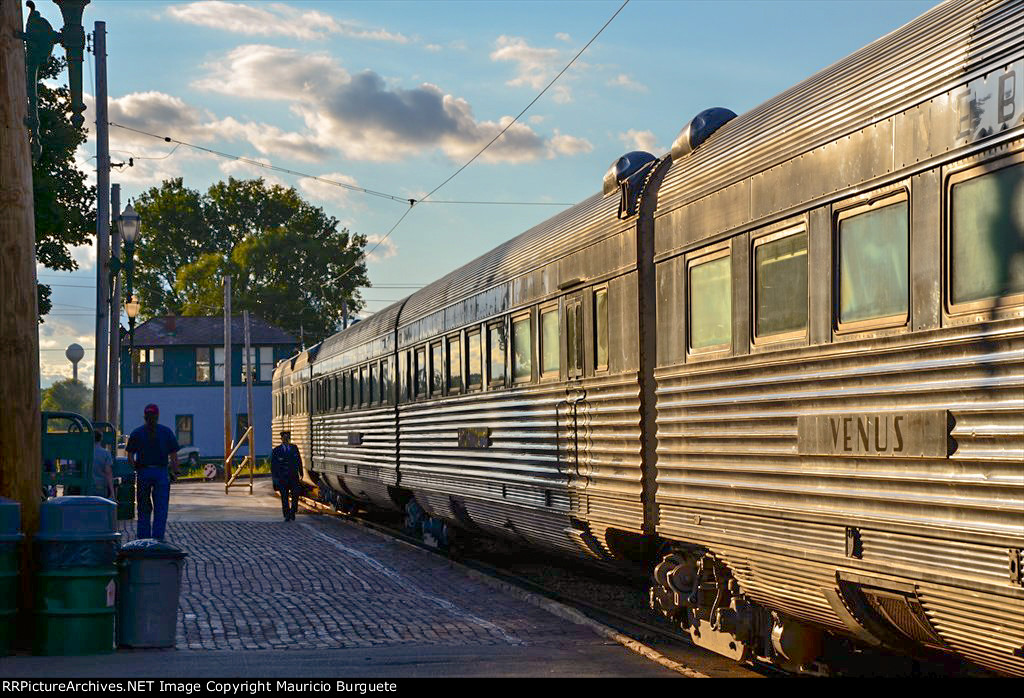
[627, 174]
[700, 129]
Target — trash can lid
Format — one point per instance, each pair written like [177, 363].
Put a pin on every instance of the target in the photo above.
[10, 516]
[77, 518]
[150, 548]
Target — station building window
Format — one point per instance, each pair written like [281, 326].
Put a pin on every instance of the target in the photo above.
[203, 365]
[780, 285]
[874, 267]
[986, 246]
[710, 320]
[183, 429]
[474, 354]
[522, 349]
[549, 354]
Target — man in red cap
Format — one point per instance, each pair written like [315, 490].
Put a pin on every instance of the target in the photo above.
[150, 448]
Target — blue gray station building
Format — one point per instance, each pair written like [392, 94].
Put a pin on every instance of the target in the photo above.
[178, 364]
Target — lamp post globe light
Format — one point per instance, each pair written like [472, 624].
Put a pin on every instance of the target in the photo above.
[129, 224]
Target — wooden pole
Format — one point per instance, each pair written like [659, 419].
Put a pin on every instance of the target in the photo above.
[20, 459]
[248, 398]
[114, 366]
[99, 381]
[227, 381]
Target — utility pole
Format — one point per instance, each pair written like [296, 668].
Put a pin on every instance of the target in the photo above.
[20, 459]
[114, 365]
[99, 392]
[248, 395]
[227, 374]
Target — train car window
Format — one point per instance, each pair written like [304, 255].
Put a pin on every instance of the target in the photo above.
[454, 364]
[522, 350]
[374, 386]
[574, 338]
[549, 343]
[780, 285]
[364, 388]
[386, 386]
[403, 376]
[986, 247]
[474, 354]
[601, 329]
[345, 402]
[496, 349]
[436, 368]
[420, 370]
[710, 282]
[874, 265]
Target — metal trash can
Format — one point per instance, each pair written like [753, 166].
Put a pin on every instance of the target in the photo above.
[76, 549]
[147, 605]
[125, 489]
[10, 537]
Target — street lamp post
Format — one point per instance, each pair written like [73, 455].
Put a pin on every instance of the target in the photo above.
[129, 223]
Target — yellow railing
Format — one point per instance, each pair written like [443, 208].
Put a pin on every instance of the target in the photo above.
[230, 474]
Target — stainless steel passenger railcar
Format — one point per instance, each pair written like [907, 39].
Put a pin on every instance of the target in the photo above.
[784, 363]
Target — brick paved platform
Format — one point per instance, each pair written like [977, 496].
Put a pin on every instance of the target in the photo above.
[323, 597]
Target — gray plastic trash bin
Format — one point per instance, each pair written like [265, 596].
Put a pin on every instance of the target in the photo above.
[147, 607]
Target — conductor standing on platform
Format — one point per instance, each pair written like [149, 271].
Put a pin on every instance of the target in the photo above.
[285, 468]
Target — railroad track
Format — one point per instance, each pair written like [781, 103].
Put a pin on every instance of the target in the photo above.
[640, 626]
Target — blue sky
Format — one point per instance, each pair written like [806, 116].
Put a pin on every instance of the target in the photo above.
[395, 96]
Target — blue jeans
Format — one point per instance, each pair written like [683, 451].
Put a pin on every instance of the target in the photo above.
[152, 482]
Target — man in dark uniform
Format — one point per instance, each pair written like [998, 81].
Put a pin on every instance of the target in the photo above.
[150, 448]
[286, 469]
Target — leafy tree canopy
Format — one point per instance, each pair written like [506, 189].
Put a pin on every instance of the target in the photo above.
[68, 395]
[65, 213]
[287, 258]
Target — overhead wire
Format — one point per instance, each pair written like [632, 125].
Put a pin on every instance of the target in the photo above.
[501, 133]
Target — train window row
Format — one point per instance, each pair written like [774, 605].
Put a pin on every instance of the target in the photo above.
[984, 261]
[522, 348]
[291, 401]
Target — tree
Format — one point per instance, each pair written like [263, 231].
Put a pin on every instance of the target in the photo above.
[65, 213]
[288, 260]
[68, 395]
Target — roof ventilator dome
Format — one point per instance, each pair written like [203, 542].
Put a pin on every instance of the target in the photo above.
[627, 174]
[700, 129]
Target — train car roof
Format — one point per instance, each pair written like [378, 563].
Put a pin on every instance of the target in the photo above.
[575, 228]
[905, 67]
[377, 325]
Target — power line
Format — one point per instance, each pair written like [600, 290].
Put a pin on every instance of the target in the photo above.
[332, 182]
[413, 202]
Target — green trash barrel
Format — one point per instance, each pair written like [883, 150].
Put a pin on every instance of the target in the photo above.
[147, 601]
[10, 537]
[75, 589]
[125, 491]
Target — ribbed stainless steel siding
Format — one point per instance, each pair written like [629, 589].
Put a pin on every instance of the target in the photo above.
[907, 66]
[370, 467]
[532, 460]
[730, 475]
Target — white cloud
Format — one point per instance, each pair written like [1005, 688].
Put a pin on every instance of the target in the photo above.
[274, 19]
[641, 140]
[322, 192]
[362, 115]
[534, 66]
[626, 82]
[562, 144]
[384, 248]
[244, 170]
[562, 36]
